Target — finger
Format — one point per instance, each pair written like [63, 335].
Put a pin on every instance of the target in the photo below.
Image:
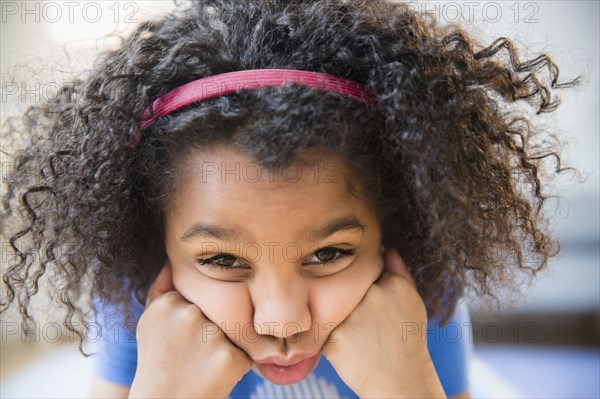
[162, 284]
[393, 263]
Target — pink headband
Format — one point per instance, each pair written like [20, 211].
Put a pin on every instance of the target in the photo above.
[217, 85]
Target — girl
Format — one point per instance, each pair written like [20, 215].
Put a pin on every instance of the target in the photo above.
[291, 197]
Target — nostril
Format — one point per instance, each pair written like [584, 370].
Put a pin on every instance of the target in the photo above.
[273, 329]
[290, 331]
[293, 338]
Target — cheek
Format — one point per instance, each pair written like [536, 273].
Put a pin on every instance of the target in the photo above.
[223, 303]
[336, 296]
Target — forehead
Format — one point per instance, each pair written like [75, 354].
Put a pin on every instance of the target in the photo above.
[226, 186]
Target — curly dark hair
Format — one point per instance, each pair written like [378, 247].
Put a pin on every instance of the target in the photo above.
[449, 159]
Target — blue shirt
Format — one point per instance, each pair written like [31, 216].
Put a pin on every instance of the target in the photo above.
[115, 360]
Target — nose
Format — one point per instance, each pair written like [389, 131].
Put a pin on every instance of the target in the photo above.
[281, 305]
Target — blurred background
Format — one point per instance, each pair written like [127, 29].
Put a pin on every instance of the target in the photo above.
[543, 344]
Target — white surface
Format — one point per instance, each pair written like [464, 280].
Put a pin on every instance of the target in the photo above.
[546, 372]
[62, 373]
[485, 382]
[571, 284]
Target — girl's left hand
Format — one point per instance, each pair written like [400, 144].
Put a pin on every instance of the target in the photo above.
[380, 349]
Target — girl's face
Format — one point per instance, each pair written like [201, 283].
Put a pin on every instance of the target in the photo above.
[276, 259]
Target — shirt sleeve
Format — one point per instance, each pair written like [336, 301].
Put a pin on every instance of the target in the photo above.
[450, 348]
[114, 346]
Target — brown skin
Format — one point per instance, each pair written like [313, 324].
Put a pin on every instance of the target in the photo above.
[276, 288]
[354, 295]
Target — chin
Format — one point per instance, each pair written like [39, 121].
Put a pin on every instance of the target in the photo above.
[282, 375]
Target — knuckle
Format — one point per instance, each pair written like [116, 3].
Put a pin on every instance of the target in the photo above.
[164, 304]
[191, 314]
[166, 299]
[375, 292]
[224, 356]
[229, 355]
[398, 281]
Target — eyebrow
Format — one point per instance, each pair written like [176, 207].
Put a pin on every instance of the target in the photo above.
[343, 223]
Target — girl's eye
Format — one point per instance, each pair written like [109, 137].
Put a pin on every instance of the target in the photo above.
[324, 256]
[221, 261]
[329, 255]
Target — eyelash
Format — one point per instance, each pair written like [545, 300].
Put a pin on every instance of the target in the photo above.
[343, 253]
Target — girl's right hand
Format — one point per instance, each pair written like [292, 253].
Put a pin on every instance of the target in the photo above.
[181, 353]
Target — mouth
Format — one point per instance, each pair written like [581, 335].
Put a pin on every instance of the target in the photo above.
[284, 371]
